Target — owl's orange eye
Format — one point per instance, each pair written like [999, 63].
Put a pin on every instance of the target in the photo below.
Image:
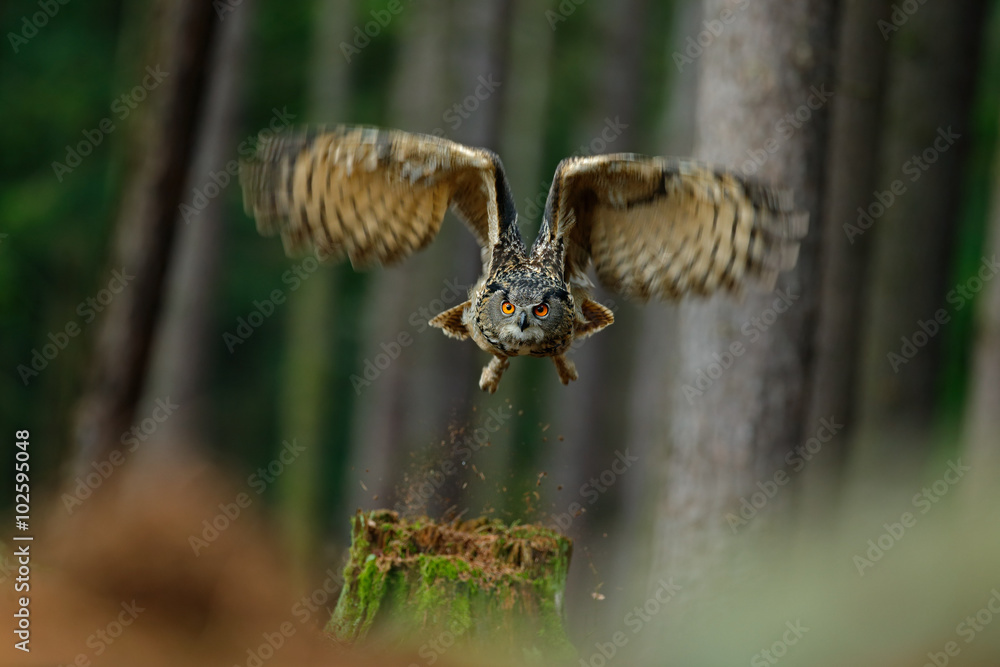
[507, 307]
[541, 310]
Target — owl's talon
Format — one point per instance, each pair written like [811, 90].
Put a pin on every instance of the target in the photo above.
[565, 367]
[492, 372]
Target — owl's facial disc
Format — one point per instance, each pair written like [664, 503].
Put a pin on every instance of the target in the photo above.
[522, 315]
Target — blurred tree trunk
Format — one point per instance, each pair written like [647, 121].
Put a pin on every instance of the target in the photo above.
[771, 61]
[588, 416]
[982, 420]
[654, 370]
[932, 67]
[184, 342]
[520, 133]
[478, 51]
[851, 177]
[160, 148]
[588, 412]
[401, 400]
[304, 395]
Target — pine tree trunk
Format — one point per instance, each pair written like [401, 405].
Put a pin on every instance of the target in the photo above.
[304, 394]
[406, 397]
[931, 76]
[162, 141]
[185, 342]
[852, 170]
[982, 420]
[772, 60]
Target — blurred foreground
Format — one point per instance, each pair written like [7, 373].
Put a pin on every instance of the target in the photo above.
[163, 567]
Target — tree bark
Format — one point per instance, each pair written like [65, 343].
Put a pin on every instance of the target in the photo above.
[488, 585]
[852, 170]
[162, 147]
[932, 70]
[185, 344]
[982, 419]
[304, 394]
[656, 368]
[764, 65]
[407, 396]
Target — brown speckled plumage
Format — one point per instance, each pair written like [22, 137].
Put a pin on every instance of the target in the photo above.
[651, 226]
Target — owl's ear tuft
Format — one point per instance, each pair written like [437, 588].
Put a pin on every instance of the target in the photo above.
[595, 316]
[452, 322]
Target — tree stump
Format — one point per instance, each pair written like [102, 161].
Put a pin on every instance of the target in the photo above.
[479, 583]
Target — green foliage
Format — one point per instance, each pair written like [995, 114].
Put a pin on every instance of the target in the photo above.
[55, 87]
[973, 219]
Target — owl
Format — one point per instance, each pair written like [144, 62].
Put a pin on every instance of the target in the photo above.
[651, 226]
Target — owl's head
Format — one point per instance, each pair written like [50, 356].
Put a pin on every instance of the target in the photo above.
[526, 311]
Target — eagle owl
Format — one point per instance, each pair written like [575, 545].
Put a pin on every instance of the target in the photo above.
[651, 226]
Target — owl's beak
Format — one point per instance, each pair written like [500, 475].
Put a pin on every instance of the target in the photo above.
[522, 321]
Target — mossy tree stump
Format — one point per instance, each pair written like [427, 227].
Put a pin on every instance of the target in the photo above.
[479, 583]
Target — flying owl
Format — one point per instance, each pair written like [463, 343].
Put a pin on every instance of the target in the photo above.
[651, 226]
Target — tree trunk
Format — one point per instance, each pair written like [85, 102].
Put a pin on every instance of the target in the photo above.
[406, 397]
[656, 369]
[161, 148]
[932, 70]
[851, 177]
[185, 342]
[304, 396]
[982, 419]
[771, 61]
[589, 418]
[487, 585]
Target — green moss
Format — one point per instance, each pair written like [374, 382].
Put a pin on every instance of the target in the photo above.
[482, 581]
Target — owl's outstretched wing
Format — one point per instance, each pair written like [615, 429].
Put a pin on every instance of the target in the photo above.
[375, 195]
[661, 227]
